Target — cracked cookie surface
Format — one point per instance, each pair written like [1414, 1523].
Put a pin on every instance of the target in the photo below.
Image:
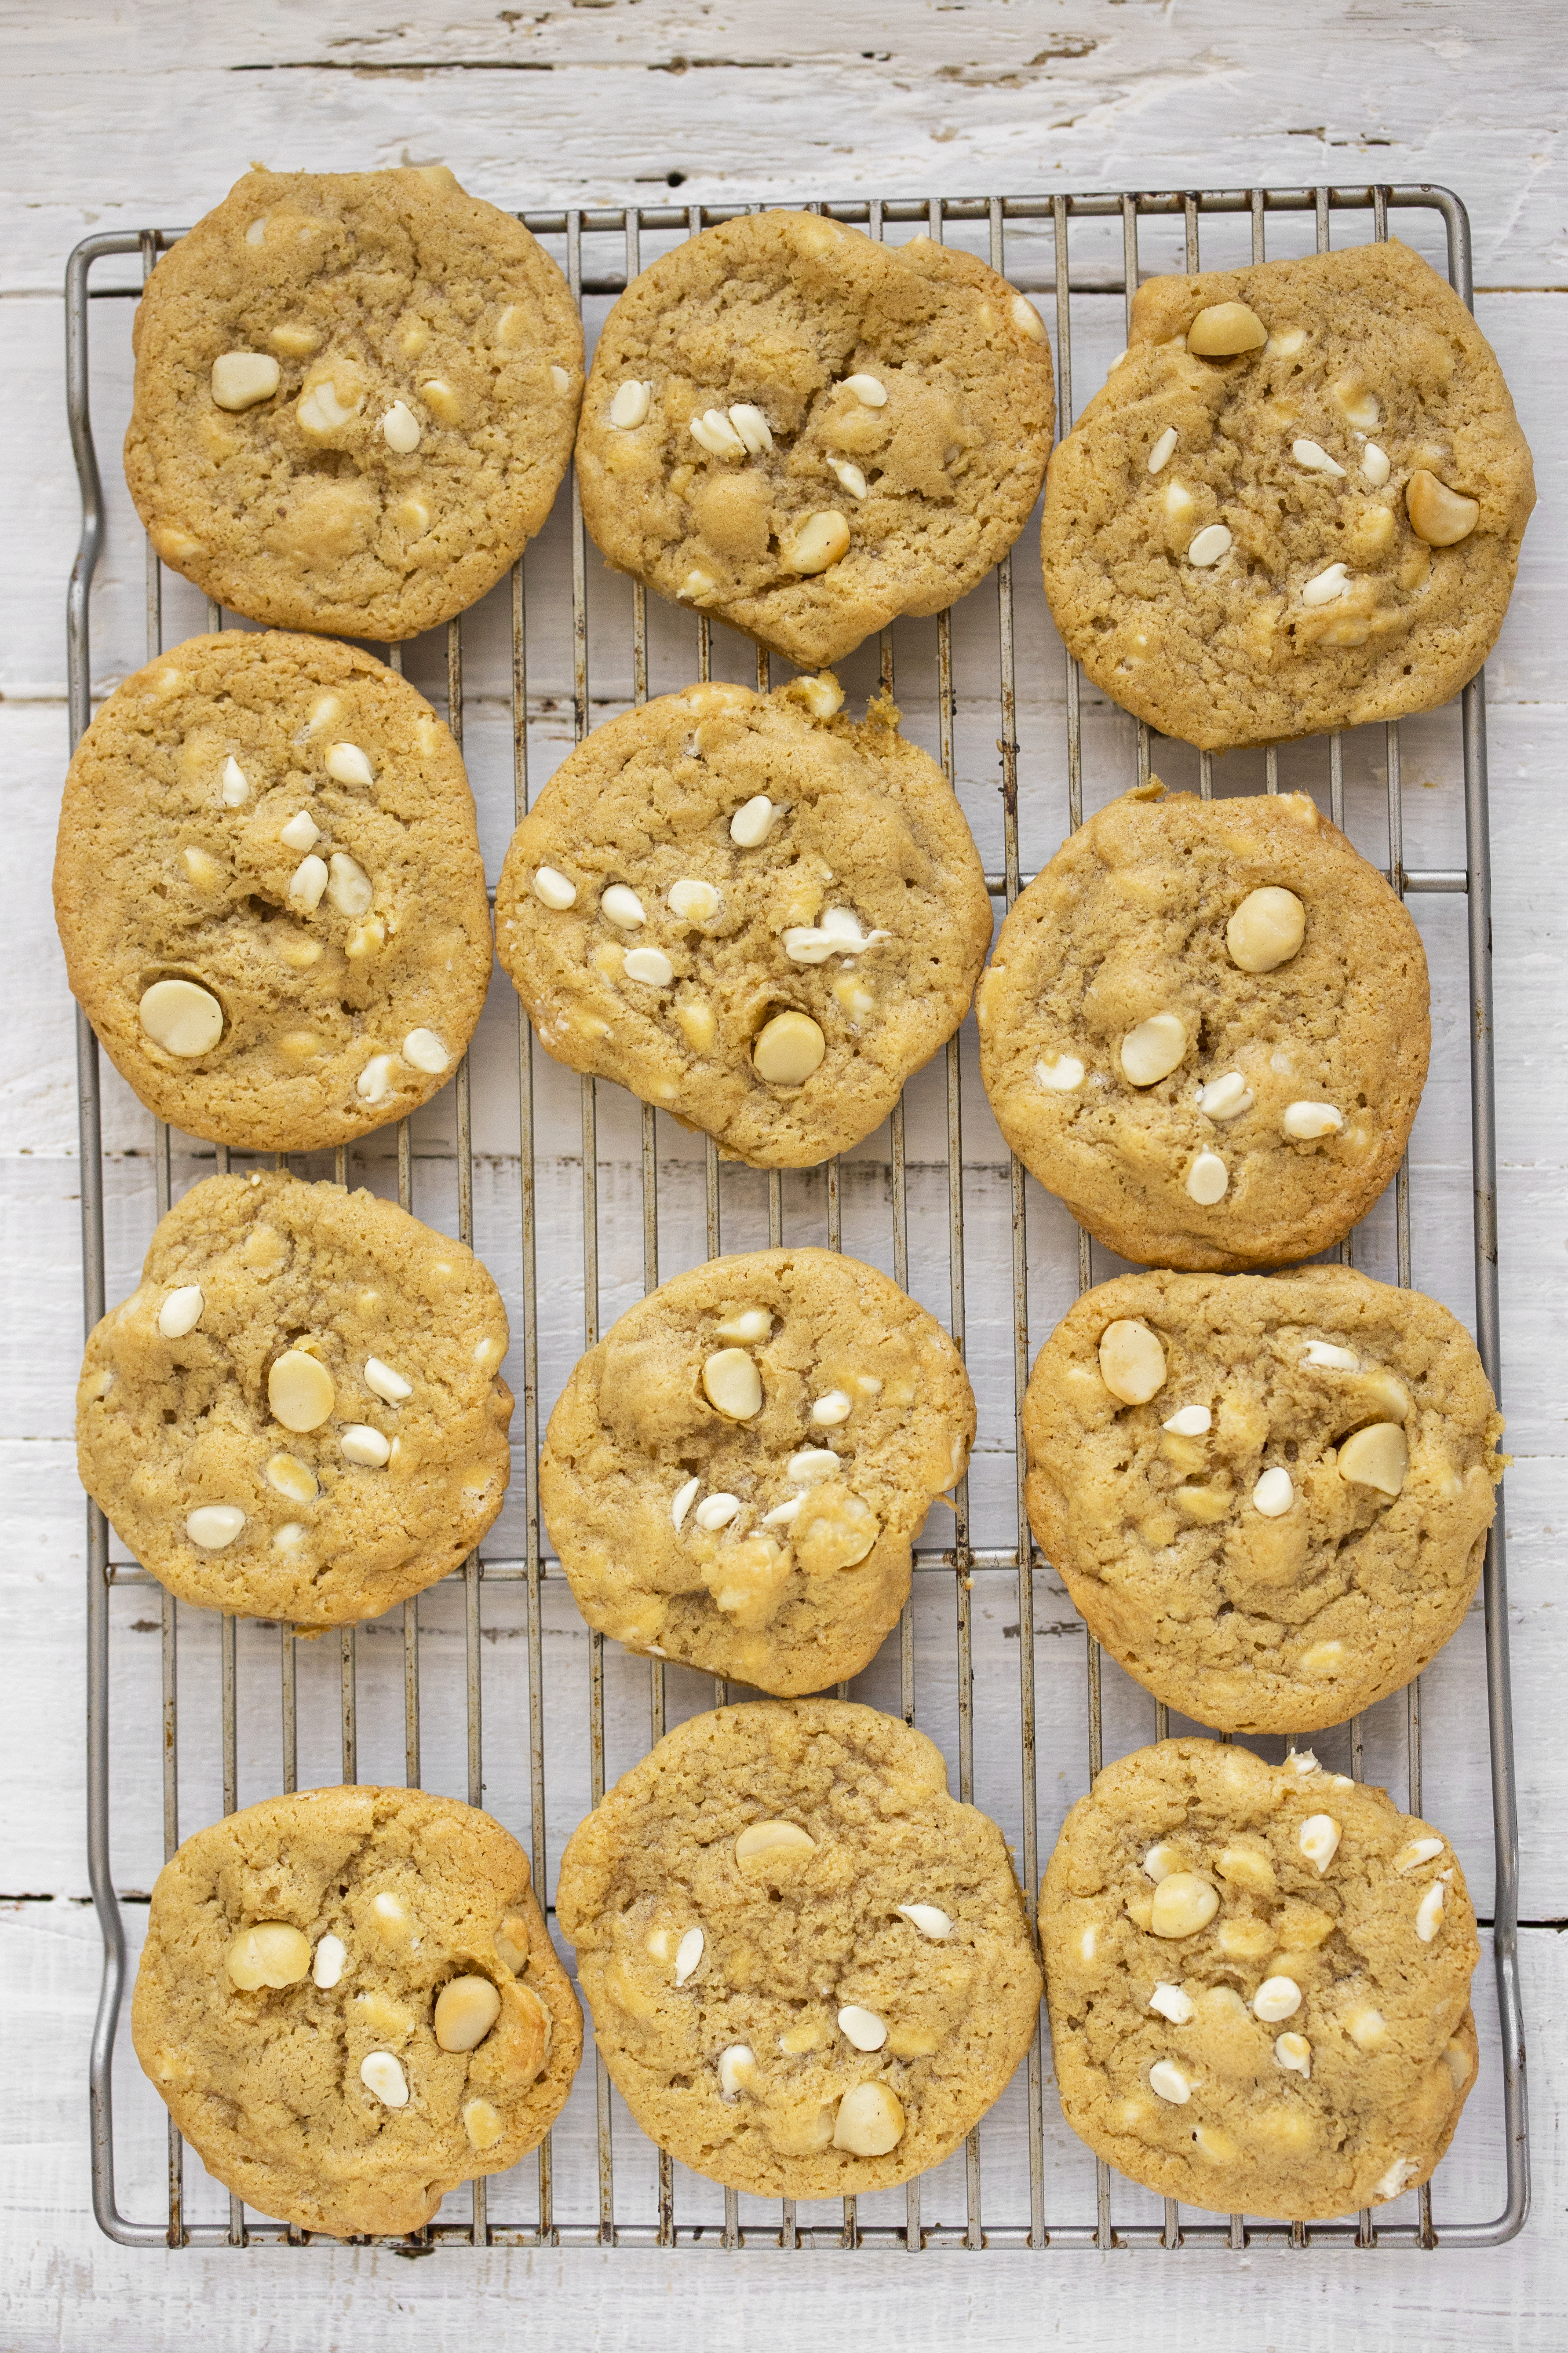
[269, 891]
[734, 1475]
[806, 432]
[1205, 1029]
[1258, 1980]
[355, 397]
[810, 1970]
[722, 861]
[298, 1412]
[1310, 522]
[1291, 1524]
[350, 2002]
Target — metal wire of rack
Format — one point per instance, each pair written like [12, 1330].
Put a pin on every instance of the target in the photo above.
[1062, 245]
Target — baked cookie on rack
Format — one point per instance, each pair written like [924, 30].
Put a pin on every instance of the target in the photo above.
[1258, 1979]
[755, 912]
[733, 1476]
[355, 397]
[1297, 503]
[804, 432]
[810, 1970]
[1267, 1494]
[1205, 1027]
[349, 2003]
[269, 891]
[297, 1413]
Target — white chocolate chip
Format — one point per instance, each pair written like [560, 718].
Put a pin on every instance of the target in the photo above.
[751, 1324]
[1085, 1945]
[1274, 1493]
[1167, 2082]
[789, 1048]
[1307, 1121]
[374, 1083]
[1294, 2053]
[695, 586]
[256, 232]
[868, 390]
[424, 1052]
[1277, 1997]
[1400, 2173]
[180, 1311]
[1154, 1050]
[182, 1018]
[863, 2028]
[737, 2065]
[465, 2009]
[306, 883]
[289, 1537]
[849, 476]
[929, 1918]
[1419, 1850]
[379, 2073]
[559, 378]
[1027, 319]
[1208, 1179]
[753, 821]
[1319, 1841]
[783, 1513]
[1183, 1905]
[1159, 456]
[552, 888]
[213, 1527]
[1375, 465]
[1429, 1912]
[1171, 2003]
[838, 934]
[1131, 1362]
[1437, 514]
[713, 431]
[360, 1444]
[481, 2121]
[650, 965]
[630, 406]
[1210, 545]
[350, 890]
[1367, 2028]
[816, 542]
[871, 2120]
[442, 400]
[716, 1511]
[320, 411]
[237, 787]
[1325, 1353]
[680, 1503]
[622, 907]
[299, 1390]
[1061, 1075]
[1316, 459]
[1190, 1421]
[1301, 1760]
[1160, 1860]
[1178, 501]
[239, 379]
[688, 1953]
[270, 1954]
[1358, 405]
[1225, 1098]
[287, 1475]
[812, 1464]
[1265, 930]
[400, 429]
[347, 764]
[386, 1384]
[1324, 587]
[1377, 1456]
[751, 425]
[327, 1969]
[759, 1839]
[692, 901]
[302, 832]
[1223, 329]
[733, 1384]
[830, 1411]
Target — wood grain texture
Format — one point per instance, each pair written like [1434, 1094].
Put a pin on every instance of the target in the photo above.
[143, 114]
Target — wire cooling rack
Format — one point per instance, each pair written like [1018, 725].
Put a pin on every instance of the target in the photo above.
[578, 1200]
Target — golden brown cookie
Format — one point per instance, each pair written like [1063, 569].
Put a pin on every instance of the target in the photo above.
[1267, 1494]
[355, 397]
[733, 1476]
[1258, 1979]
[1205, 1028]
[269, 890]
[757, 914]
[350, 2002]
[298, 1412]
[810, 1971]
[1297, 503]
[805, 432]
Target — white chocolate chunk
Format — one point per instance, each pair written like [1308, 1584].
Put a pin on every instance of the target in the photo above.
[1210, 545]
[180, 1311]
[1375, 465]
[379, 2073]
[213, 1527]
[868, 390]
[929, 1918]
[552, 888]
[239, 379]
[753, 821]
[716, 1511]
[386, 1384]
[812, 1464]
[831, 1409]
[1429, 1912]
[1159, 456]
[236, 785]
[1399, 2175]
[680, 1503]
[1315, 459]
[650, 965]
[299, 1390]
[1225, 1098]
[1305, 1121]
[423, 1051]
[1167, 2082]
[849, 475]
[1183, 1905]
[1294, 2053]
[1319, 1841]
[1171, 2003]
[789, 1048]
[1208, 1179]
[1190, 1421]
[1336, 1359]
[182, 1018]
[1265, 930]
[1377, 1456]
[1419, 1850]
[1060, 1075]
[863, 2028]
[306, 883]
[1326, 586]
[1274, 1493]
[1131, 1362]
[1277, 1997]
[692, 901]
[401, 430]
[350, 890]
[751, 425]
[375, 1082]
[364, 1445]
[302, 832]
[327, 1969]
[732, 1384]
[1154, 1050]
[688, 1953]
[737, 2065]
[622, 907]
[871, 2120]
[630, 406]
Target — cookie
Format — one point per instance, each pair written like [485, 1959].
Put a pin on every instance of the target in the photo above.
[805, 433]
[733, 1476]
[1297, 502]
[755, 914]
[298, 1414]
[810, 1972]
[1258, 1979]
[269, 891]
[355, 397]
[1205, 1027]
[350, 2002]
[1269, 1495]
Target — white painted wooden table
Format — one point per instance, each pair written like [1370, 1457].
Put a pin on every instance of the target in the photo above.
[142, 114]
